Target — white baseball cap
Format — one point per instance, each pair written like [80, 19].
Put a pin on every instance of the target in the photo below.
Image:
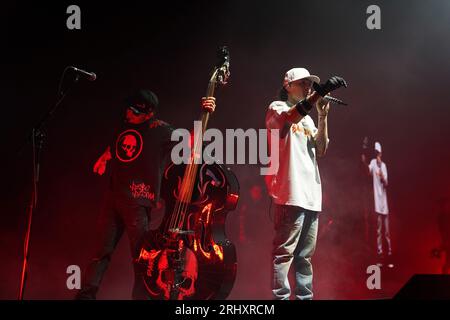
[377, 146]
[298, 74]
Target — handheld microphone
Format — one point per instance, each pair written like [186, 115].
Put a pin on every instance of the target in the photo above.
[88, 75]
[335, 100]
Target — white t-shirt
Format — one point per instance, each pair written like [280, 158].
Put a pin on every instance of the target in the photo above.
[297, 181]
[379, 190]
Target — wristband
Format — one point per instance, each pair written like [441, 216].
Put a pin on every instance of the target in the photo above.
[303, 107]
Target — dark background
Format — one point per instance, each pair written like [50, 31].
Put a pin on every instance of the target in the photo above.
[398, 94]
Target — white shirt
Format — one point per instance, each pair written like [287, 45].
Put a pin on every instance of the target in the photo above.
[297, 180]
[379, 190]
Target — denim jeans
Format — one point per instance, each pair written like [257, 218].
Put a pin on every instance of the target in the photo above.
[295, 241]
[116, 217]
[383, 219]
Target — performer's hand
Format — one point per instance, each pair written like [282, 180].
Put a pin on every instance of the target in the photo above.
[363, 158]
[100, 166]
[323, 107]
[381, 176]
[209, 104]
[332, 84]
[383, 180]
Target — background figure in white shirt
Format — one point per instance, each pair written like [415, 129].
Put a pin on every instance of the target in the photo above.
[443, 220]
[378, 171]
[296, 186]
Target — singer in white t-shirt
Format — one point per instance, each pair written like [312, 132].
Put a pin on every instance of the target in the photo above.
[379, 173]
[296, 187]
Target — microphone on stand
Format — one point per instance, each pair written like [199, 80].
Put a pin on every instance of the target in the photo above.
[88, 75]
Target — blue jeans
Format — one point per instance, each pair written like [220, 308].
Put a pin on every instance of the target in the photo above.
[295, 240]
[383, 219]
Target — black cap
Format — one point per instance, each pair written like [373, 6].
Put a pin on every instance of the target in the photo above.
[143, 101]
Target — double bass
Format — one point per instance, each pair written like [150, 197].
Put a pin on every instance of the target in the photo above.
[189, 256]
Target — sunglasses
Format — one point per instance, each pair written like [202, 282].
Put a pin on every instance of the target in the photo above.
[136, 111]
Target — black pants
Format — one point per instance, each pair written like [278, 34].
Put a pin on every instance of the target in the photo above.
[116, 217]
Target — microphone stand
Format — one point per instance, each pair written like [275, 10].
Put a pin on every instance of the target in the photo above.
[38, 136]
